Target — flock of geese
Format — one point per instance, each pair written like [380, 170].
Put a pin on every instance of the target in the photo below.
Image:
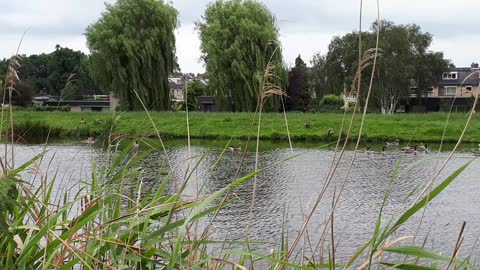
[413, 150]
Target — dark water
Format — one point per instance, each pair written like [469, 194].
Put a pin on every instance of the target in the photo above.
[287, 190]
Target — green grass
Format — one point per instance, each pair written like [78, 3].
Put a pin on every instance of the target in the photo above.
[406, 127]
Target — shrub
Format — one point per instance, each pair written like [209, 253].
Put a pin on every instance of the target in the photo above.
[49, 108]
[332, 100]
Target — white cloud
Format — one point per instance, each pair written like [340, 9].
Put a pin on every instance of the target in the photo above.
[188, 49]
[463, 50]
[304, 44]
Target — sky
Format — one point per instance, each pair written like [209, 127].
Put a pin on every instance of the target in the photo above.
[306, 26]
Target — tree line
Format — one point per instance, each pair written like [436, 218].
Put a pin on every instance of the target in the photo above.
[133, 51]
[405, 66]
[64, 73]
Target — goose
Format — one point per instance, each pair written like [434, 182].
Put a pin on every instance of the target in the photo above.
[330, 131]
[409, 150]
[422, 148]
[394, 143]
[307, 124]
[476, 152]
[135, 146]
[235, 148]
[378, 152]
[367, 150]
[98, 121]
[91, 140]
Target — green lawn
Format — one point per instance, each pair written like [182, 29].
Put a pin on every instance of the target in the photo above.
[406, 127]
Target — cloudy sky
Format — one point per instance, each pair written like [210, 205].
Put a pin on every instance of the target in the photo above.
[306, 26]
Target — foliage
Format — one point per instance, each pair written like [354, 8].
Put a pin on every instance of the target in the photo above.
[98, 227]
[48, 74]
[8, 196]
[342, 63]
[317, 77]
[405, 63]
[404, 60]
[22, 96]
[332, 100]
[195, 88]
[133, 52]
[298, 95]
[51, 108]
[239, 38]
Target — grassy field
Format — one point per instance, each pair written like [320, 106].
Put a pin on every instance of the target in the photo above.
[378, 128]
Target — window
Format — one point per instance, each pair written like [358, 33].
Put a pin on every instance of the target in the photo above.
[468, 89]
[450, 90]
[450, 75]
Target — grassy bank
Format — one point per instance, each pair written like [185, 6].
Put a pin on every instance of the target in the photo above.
[406, 127]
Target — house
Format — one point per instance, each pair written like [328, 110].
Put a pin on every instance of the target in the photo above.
[457, 82]
[455, 92]
[179, 81]
[176, 85]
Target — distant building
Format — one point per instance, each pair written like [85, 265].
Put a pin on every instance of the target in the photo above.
[457, 83]
[176, 85]
[179, 81]
[206, 104]
[455, 91]
[82, 105]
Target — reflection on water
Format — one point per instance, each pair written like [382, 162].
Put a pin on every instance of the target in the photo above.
[288, 188]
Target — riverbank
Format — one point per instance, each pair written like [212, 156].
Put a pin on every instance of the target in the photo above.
[378, 128]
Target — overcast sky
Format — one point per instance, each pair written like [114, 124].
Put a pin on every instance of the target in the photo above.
[306, 26]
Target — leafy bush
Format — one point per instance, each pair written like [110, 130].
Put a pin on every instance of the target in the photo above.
[332, 100]
[43, 108]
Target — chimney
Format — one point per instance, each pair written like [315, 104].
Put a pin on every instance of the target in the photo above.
[474, 65]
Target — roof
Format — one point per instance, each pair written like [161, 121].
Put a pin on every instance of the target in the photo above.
[464, 77]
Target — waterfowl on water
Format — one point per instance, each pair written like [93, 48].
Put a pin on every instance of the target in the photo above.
[409, 150]
[135, 145]
[307, 124]
[422, 148]
[235, 148]
[363, 150]
[377, 152]
[392, 143]
[91, 140]
[476, 152]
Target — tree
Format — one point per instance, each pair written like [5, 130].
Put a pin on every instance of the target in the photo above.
[66, 73]
[298, 96]
[195, 88]
[317, 76]
[133, 50]
[50, 73]
[342, 62]
[22, 96]
[238, 39]
[405, 63]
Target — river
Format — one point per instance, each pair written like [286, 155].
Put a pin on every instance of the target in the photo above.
[287, 190]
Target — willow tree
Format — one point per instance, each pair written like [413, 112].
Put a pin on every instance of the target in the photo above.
[133, 51]
[238, 39]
